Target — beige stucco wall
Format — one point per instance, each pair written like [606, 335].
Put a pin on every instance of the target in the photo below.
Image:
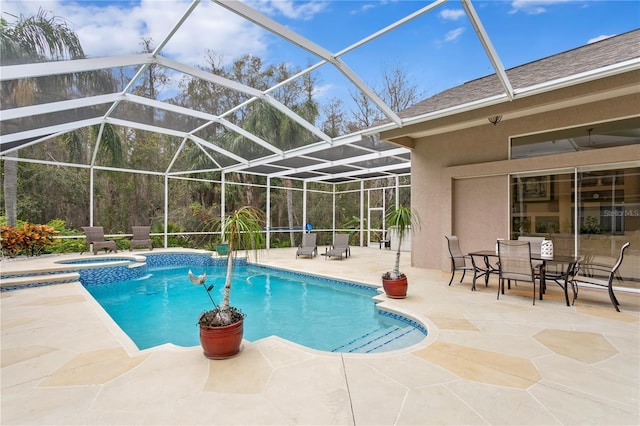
[460, 177]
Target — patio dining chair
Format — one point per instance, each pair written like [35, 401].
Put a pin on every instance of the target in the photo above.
[308, 246]
[383, 240]
[599, 275]
[141, 237]
[459, 261]
[339, 248]
[536, 248]
[535, 243]
[95, 236]
[514, 263]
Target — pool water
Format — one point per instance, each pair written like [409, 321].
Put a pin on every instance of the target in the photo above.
[163, 306]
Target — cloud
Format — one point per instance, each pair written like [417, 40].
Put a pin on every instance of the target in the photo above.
[453, 34]
[322, 91]
[365, 7]
[297, 10]
[534, 7]
[600, 37]
[117, 28]
[452, 14]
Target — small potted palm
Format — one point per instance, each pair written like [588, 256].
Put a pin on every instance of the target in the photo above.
[221, 328]
[403, 220]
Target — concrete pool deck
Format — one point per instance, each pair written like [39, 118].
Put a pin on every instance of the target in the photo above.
[485, 361]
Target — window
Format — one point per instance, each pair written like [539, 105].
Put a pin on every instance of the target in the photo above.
[583, 138]
[605, 203]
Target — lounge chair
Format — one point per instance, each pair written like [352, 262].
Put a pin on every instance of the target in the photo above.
[339, 248]
[141, 237]
[95, 236]
[308, 246]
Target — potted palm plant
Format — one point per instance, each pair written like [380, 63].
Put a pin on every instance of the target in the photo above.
[221, 328]
[403, 220]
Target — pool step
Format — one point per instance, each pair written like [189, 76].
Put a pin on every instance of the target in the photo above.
[387, 338]
[20, 281]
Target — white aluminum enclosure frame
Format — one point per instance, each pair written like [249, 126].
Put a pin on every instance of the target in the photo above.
[11, 142]
[399, 157]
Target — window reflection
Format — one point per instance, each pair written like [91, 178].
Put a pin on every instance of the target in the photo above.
[605, 203]
[584, 138]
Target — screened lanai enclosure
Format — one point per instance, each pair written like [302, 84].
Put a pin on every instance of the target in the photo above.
[143, 139]
[273, 114]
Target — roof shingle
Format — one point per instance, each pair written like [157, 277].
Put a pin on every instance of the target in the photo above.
[592, 56]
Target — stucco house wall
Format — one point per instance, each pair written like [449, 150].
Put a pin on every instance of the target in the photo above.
[460, 167]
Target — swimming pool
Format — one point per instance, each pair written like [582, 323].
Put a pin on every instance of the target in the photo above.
[315, 312]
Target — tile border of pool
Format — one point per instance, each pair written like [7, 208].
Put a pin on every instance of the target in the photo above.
[132, 349]
[324, 277]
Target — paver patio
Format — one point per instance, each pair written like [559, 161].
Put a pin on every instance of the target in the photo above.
[485, 361]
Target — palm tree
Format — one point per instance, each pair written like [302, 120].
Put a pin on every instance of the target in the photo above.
[46, 37]
[43, 37]
[242, 229]
[402, 219]
[110, 143]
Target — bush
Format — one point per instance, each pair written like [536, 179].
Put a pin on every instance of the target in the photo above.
[65, 245]
[172, 240]
[11, 239]
[280, 243]
[26, 239]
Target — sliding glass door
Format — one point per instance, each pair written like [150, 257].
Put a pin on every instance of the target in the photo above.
[591, 212]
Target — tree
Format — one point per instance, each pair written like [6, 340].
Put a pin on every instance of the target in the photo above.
[43, 37]
[334, 124]
[365, 114]
[395, 90]
[257, 117]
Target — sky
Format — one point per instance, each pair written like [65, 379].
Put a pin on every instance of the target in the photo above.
[436, 51]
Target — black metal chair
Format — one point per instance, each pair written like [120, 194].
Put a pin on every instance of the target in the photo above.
[383, 239]
[599, 275]
[561, 273]
[459, 260]
[514, 260]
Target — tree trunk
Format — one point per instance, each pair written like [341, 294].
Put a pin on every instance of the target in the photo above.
[396, 269]
[11, 188]
[227, 284]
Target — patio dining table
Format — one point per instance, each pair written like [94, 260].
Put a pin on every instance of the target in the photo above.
[565, 267]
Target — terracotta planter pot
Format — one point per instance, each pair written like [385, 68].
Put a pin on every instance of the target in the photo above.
[395, 289]
[221, 342]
